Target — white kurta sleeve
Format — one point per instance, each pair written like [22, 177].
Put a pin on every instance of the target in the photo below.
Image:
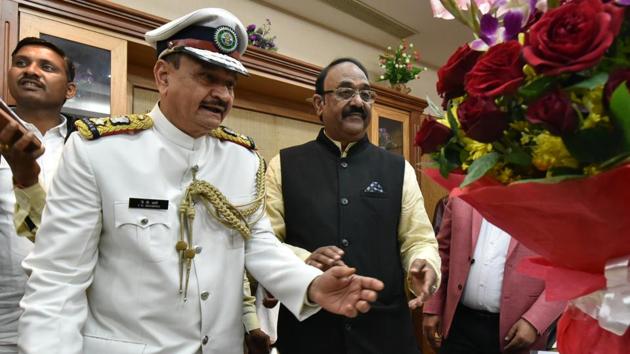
[279, 271]
[62, 262]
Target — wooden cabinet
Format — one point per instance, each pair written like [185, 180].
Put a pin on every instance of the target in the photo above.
[390, 130]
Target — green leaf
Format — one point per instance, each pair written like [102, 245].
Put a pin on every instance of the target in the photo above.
[518, 156]
[480, 167]
[553, 3]
[445, 166]
[593, 145]
[537, 87]
[594, 81]
[452, 121]
[617, 160]
[449, 158]
[620, 108]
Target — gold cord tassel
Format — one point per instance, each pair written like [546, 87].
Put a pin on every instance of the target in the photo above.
[217, 205]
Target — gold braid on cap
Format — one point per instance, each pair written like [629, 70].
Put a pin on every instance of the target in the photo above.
[217, 205]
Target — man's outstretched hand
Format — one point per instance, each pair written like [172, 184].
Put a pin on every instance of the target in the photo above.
[341, 291]
[422, 284]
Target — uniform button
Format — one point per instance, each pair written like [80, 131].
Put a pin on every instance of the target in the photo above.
[205, 295]
[204, 341]
[348, 326]
[144, 221]
[344, 164]
[345, 242]
[459, 286]
[344, 201]
[472, 261]
[198, 249]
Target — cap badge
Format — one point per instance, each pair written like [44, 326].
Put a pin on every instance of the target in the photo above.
[225, 39]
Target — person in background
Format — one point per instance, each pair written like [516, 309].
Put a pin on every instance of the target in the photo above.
[151, 220]
[484, 305]
[40, 80]
[341, 200]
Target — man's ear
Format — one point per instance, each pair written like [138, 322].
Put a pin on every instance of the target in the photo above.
[161, 72]
[71, 90]
[318, 104]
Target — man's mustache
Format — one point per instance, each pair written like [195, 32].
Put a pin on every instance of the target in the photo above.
[30, 78]
[216, 103]
[350, 110]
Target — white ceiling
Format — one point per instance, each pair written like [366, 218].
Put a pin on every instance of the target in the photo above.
[436, 39]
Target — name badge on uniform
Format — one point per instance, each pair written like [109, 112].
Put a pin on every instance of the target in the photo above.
[139, 203]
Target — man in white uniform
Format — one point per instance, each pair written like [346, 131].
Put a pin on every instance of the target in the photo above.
[147, 231]
[40, 79]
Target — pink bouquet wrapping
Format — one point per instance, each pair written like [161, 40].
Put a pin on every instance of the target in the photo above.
[577, 226]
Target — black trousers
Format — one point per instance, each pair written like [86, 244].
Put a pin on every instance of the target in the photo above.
[472, 332]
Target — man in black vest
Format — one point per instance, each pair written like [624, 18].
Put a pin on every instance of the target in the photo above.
[341, 200]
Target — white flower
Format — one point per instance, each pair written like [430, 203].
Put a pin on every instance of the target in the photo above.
[382, 77]
[389, 48]
[400, 46]
[410, 45]
[407, 60]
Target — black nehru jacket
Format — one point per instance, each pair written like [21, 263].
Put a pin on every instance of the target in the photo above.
[353, 203]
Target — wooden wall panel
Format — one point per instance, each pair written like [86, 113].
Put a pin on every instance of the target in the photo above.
[8, 41]
[271, 133]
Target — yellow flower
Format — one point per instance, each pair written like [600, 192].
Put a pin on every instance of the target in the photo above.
[475, 149]
[505, 175]
[530, 73]
[591, 170]
[594, 119]
[592, 100]
[550, 151]
[526, 138]
[519, 125]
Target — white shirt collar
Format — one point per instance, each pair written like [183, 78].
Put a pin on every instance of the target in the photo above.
[60, 129]
[171, 132]
[344, 153]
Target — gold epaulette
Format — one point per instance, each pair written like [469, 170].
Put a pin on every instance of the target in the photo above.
[94, 128]
[227, 134]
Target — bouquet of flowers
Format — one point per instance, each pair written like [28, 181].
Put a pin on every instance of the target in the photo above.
[399, 64]
[536, 137]
[261, 37]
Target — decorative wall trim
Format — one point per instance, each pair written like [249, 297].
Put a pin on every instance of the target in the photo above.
[105, 14]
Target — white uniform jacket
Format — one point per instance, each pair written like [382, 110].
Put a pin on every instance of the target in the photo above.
[104, 277]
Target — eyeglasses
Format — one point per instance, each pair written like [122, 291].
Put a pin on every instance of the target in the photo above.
[346, 93]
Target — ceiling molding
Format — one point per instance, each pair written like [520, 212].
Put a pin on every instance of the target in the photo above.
[359, 10]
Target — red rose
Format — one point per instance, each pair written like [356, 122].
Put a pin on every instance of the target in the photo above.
[572, 37]
[431, 135]
[614, 80]
[498, 72]
[451, 76]
[555, 112]
[481, 119]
